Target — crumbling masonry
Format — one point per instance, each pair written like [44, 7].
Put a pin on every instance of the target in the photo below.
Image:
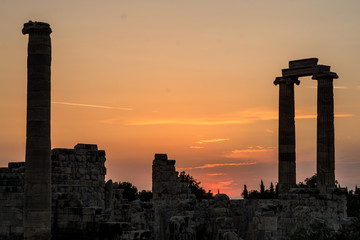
[85, 207]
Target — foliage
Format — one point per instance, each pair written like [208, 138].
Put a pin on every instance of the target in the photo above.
[316, 232]
[245, 193]
[130, 191]
[271, 189]
[323, 232]
[194, 186]
[145, 196]
[262, 187]
[263, 194]
[310, 182]
[353, 203]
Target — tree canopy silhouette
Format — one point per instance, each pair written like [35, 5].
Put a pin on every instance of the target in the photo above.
[194, 186]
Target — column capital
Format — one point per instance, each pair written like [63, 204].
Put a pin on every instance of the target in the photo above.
[36, 27]
[286, 80]
[325, 75]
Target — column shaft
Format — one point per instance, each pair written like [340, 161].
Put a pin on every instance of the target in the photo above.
[286, 151]
[325, 134]
[37, 208]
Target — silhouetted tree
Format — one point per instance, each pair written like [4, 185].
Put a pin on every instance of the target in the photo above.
[310, 182]
[130, 191]
[262, 187]
[272, 190]
[254, 194]
[245, 193]
[353, 203]
[145, 196]
[194, 186]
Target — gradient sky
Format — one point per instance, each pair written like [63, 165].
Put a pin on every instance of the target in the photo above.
[193, 79]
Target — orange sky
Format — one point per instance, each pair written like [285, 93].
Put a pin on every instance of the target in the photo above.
[193, 79]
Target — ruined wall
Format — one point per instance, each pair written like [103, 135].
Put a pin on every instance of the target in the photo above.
[78, 196]
[84, 207]
[165, 181]
[178, 217]
[78, 186]
[12, 201]
[250, 219]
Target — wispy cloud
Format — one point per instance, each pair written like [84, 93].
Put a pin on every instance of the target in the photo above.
[269, 131]
[313, 116]
[249, 152]
[253, 149]
[234, 118]
[220, 186]
[212, 165]
[212, 140]
[335, 87]
[216, 174]
[196, 147]
[93, 106]
[188, 122]
[182, 169]
[341, 87]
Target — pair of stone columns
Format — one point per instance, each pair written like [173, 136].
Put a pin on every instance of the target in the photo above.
[325, 125]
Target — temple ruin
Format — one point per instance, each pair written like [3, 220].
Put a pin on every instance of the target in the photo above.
[325, 123]
[62, 193]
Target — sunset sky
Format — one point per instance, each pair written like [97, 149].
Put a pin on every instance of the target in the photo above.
[193, 79]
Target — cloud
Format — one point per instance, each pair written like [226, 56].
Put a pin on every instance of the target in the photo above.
[221, 186]
[93, 106]
[212, 140]
[188, 122]
[313, 116]
[335, 87]
[234, 118]
[212, 165]
[249, 152]
[253, 150]
[182, 169]
[216, 174]
[341, 87]
[269, 131]
[196, 147]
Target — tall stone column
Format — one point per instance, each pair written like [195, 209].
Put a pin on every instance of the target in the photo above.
[286, 151]
[37, 208]
[325, 132]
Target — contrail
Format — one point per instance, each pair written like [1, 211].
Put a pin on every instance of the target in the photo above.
[93, 106]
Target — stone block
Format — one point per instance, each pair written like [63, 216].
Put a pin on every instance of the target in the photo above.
[303, 63]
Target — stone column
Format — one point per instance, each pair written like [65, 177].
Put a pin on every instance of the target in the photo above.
[286, 151]
[37, 208]
[325, 132]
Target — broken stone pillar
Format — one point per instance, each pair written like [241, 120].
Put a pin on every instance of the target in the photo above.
[37, 208]
[286, 151]
[325, 132]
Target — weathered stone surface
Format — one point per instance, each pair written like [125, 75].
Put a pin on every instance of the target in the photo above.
[37, 208]
[325, 133]
[82, 209]
[325, 123]
[308, 62]
[286, 151]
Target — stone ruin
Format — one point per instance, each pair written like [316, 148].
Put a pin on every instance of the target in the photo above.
[62, 193]
[325, 123]
[84, 206]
